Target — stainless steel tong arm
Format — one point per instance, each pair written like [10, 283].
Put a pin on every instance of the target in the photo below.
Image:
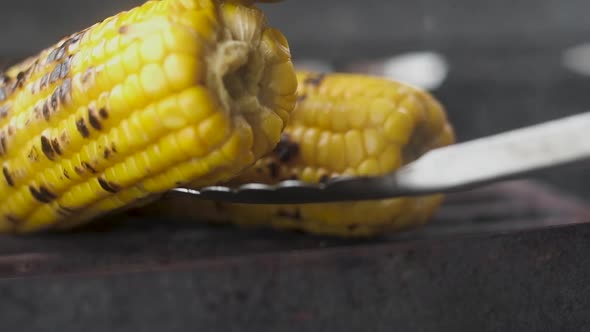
[514, 153]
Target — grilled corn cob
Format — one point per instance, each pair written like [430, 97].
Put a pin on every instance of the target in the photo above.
[343, 124]
[168, 92]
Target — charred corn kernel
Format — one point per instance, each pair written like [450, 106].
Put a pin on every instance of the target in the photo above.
[166, 93]
[376, 133]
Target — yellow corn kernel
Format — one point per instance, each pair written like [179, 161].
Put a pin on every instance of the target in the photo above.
[182, 70]
[131, 106]
[354, 153]
[397, 124]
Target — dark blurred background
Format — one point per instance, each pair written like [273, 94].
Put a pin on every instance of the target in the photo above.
[507, 63]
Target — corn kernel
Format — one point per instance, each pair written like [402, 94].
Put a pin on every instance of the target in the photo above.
[355, 150]
[183, 71]
[152, 49]
[153, 81]
[213, 129]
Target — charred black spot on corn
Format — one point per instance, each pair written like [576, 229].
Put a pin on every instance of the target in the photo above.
[301, 98]
[88, 167]
[33, 154]
[38, 112]
[286, 149]
[44, 81]
[123, 29]
[103, 113]
[42, 194]
[12, 219]
[56, 147]
[3, 111]
[82, 128]
[315, 79]
[64, 90]
[54, 100]
[65, 211]
[4, 79]
[45, 111]
[66, 174]
[54, 76]
[47, 148]
[20, 80]
[93, 119]
[78, 170]
[87, 75]
[7, 176]
[2, 142]
[108, 186]
[106, 153]
[64, 137]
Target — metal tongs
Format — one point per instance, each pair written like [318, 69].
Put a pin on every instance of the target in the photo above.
[462, 166]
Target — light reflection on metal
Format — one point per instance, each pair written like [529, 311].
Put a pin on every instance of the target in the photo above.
[427, 70]
[577, 59]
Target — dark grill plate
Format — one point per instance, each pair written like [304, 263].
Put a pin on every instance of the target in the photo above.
[509, 257]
